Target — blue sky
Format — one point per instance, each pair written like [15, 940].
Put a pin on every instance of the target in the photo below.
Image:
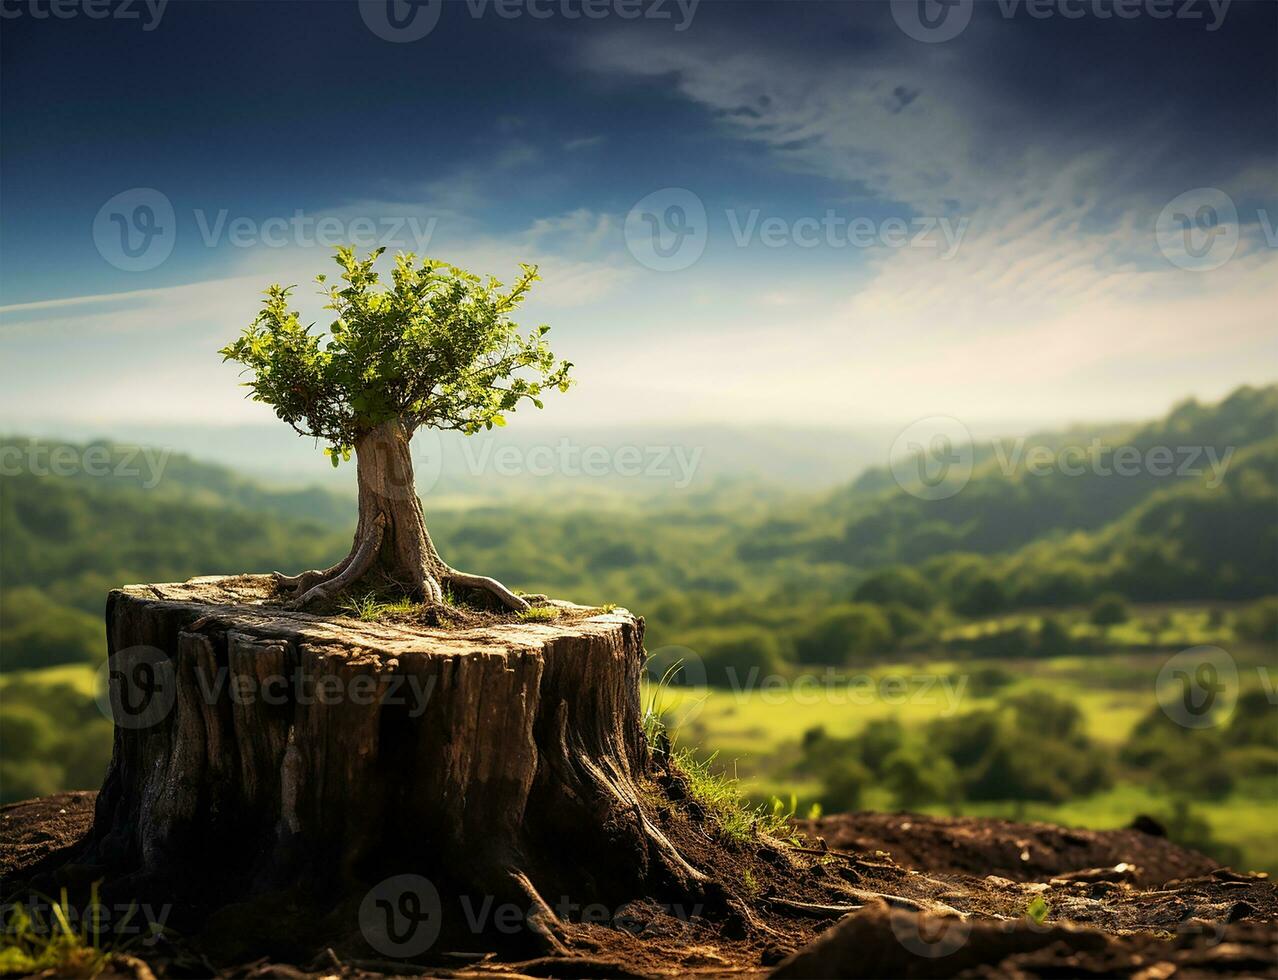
[1007, 184]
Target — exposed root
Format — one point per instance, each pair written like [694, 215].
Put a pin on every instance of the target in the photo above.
[812, 910]
[490, 585]
[360, 562]
[542, 922]
[299, 583]
[428, 585]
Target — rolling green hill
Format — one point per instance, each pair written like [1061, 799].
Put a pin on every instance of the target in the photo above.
[989, 588]
[758, 568]
[1023, 490]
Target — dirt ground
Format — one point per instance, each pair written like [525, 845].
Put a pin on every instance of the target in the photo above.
[1020, 851]
[863, 895]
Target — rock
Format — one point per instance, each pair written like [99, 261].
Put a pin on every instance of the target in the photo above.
[879, 941]
[1121, 872]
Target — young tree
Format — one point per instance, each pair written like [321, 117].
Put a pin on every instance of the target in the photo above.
[437, 349]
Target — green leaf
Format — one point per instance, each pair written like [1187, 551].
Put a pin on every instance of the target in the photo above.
[433, 346]
[1038, 909]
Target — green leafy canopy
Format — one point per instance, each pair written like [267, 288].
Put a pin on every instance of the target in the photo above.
[437, 349]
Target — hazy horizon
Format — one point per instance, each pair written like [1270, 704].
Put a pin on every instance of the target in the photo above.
[673, 456]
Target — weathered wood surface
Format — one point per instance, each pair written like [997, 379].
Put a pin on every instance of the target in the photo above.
[256, 746]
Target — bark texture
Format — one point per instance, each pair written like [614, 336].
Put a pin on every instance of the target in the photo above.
[509, 760]
[391, 545]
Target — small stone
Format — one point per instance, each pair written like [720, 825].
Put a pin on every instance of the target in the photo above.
[772, 955]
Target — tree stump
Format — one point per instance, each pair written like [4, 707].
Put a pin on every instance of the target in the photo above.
[258, 748]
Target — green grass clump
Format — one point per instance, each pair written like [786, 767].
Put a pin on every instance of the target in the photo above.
[720, 796]
[370, 608]
[30, 945]
[541, 614]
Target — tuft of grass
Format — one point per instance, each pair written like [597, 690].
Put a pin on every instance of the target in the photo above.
[750, 883]
[654, 712]
[31, 945]
[370, 608]
[720, 796]
[541, 614]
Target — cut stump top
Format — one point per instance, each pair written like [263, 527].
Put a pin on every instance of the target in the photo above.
[243, 602]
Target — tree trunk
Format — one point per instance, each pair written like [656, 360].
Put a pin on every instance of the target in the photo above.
[391, 545]
[506, 763]
[387, 490]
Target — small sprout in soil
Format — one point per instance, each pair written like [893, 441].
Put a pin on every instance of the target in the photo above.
[1038, 909]
[749, 882]
[541, 614]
